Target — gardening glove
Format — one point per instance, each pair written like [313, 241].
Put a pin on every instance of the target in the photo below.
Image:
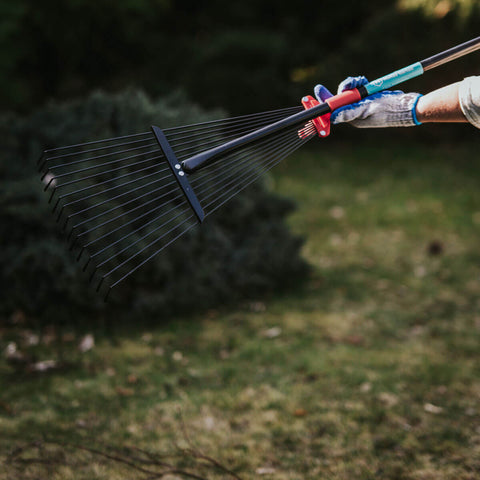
[383, 109]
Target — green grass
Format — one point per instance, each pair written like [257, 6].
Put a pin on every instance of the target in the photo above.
[369, 370]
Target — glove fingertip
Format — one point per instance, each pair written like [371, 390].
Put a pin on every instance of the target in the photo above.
[322, 93]
[352, 82]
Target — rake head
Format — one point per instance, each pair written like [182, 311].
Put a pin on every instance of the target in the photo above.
[123, 200]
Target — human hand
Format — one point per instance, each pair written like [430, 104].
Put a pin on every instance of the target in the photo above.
[383, 109]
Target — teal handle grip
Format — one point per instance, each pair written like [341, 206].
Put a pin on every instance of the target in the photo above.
[392, 79]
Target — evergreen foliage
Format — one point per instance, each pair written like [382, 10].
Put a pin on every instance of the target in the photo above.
[243, 252]
[243, 56]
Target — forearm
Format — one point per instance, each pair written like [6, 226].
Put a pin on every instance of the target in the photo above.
[441, 105]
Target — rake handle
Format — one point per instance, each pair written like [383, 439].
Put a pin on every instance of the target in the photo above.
[203, 159]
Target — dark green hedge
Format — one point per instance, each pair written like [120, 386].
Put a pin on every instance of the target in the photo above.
[245, 251]
[244, 56]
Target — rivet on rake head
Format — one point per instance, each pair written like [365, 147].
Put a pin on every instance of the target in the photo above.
[323, 133]
[178, 166]
[181, 173]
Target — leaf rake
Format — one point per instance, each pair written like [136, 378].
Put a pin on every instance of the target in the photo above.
[123, 200]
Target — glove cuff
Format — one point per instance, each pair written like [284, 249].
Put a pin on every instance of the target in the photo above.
[404, 114]
[414, 111]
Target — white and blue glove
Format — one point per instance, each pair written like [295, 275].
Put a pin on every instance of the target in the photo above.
[384, 109]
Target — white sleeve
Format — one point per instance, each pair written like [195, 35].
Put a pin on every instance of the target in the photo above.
[469, 98]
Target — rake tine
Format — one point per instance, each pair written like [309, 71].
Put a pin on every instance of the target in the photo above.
[235, 128]
[47, 186]
[91, 207]
[105, 140]
[100, 284]
[215, 123]
[206, 173]
[186, 152]
[113, 188]
[83, 152]
[56, 205]
[88, 158]
[118, 216]
[135, 231]
[144, 248]
[107, 171]
[237, 179]
[250, 179]
[142, 238]
[217, 139]
[113, 285]
[222, 173]
[96, 185]
[121, 152]
[121, 205]
[129, 223]
[52, 194]
[221, 178]
[105, 191]
[102, 164]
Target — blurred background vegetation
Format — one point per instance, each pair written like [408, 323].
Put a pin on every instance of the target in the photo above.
[240, 56]
[75, 70]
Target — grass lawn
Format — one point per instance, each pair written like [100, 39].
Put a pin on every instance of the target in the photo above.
[368, 371]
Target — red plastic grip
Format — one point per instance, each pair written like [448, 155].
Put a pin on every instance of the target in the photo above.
[321, 124]
[345, 98]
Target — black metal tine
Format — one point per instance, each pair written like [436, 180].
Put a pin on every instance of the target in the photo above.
[278, 156]
[116, 254]
[216, 139]
[269, 148]
[227, 125]
[102, 164]
[136, 254]
[222, 167]
[96, 185]
[102, 192]
[234, 177]
[97, 149]
[109, 199]
[106, 212]
[149, 212]
[84, 152]
[125, 213]
[214, 123]
[96, 141]
[102, 173]
[238, 188]
[113, 285]
[233, 164]
[226, 172]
